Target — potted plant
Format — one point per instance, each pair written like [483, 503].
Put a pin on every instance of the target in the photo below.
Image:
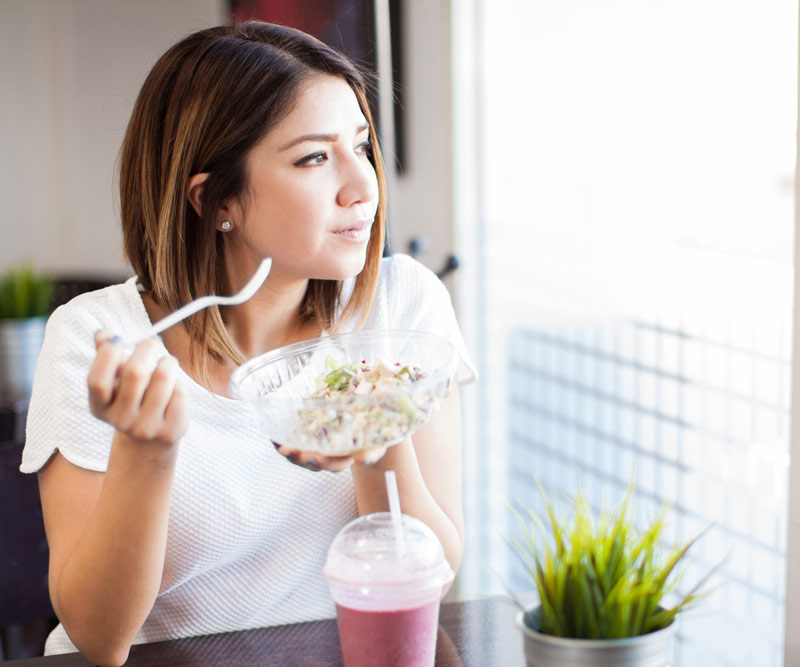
[25, 300]
[602, 587]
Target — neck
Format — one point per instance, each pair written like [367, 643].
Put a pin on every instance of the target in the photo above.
[271, 318]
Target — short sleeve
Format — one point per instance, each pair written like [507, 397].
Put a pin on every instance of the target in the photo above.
[58, 413]
[420, 301]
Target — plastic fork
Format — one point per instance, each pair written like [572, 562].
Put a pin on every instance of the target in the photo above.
[212, 300]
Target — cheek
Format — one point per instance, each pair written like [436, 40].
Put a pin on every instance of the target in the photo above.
[294, 235]
[286, 217]
[298, 206]
[374, 187]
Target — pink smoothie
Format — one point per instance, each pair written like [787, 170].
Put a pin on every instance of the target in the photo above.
[404, 638]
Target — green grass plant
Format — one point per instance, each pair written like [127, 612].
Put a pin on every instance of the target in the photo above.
[600, 578]
[24, 293]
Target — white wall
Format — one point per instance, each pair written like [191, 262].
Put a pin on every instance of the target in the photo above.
[69, 74]
[422, 196]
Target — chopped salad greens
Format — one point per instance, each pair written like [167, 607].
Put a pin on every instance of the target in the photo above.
[392, 411]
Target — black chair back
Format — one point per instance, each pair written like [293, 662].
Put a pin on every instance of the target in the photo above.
[24, 596]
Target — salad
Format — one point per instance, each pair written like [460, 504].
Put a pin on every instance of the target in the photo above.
[376, 406]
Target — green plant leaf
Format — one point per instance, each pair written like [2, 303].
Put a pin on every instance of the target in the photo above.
[24, 293]
[600, 578]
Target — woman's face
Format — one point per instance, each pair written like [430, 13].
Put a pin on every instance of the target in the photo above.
[313, 192]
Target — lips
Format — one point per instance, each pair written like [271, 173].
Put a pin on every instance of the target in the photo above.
[358, 232]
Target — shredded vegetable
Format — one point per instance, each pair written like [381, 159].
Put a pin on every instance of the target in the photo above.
[353, 421]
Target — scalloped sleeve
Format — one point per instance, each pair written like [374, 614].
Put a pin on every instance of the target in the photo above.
[58, 413]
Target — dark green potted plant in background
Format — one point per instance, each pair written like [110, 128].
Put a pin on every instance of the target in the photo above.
[25, 301]
[602, 588]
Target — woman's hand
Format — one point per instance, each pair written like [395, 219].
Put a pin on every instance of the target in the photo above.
[102, 587]
[316, 461]
[139, 396]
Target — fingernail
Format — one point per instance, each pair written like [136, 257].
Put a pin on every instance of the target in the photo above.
[313, 464]
[292, 457]
[275, 444]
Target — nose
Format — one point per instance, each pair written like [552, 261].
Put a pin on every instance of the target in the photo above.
[359, 182]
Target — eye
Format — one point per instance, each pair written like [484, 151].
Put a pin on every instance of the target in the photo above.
[313, 160]
[365, 147]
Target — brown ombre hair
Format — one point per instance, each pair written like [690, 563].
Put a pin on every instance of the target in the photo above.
[206, 103]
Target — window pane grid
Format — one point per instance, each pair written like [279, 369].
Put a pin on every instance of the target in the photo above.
[635, 208]
[584, 414]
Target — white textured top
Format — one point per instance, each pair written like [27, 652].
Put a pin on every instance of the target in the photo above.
[248, 530]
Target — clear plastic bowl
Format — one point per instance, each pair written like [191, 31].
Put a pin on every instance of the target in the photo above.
[281, 382]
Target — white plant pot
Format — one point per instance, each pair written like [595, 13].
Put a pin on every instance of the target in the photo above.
[651, 650]
[20, 344]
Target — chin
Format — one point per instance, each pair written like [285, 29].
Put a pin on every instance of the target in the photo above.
[343, 268]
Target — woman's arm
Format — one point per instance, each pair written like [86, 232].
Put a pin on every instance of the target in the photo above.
[428, 468]
[107, 531]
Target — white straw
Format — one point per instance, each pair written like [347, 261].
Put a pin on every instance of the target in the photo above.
[397, 515]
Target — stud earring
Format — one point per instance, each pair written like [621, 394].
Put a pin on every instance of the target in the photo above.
[225, 226]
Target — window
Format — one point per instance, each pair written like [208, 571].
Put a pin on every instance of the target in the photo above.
[628, 210]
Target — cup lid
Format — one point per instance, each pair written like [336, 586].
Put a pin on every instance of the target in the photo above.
[365, 553]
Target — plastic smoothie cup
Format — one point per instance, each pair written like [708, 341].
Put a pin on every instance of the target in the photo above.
[387, 594]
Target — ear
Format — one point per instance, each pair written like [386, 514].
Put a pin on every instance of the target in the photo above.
[194, 191]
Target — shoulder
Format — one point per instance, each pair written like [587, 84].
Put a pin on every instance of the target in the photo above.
[70, 329]
[404, 292]
[407, 291]
[111, 307]
[58, 417]
[403, 275]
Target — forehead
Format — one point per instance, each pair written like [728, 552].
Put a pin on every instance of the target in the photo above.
[325, 105]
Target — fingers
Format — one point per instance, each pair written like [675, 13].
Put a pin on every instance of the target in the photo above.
[150, 421]
[315, 461]
[176, 416]
[141, 395]
[369, 456]
[102, 375]
[160, 387]
[105, 336]
[134, 378]
[336, 463]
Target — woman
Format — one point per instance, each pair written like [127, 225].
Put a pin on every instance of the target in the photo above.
[165, 513]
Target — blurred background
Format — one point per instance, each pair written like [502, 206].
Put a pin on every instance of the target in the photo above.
[615, 182]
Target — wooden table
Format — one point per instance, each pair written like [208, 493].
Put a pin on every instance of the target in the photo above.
[476, 633]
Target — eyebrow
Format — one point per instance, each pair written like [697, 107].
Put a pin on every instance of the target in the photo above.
[330, 138]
